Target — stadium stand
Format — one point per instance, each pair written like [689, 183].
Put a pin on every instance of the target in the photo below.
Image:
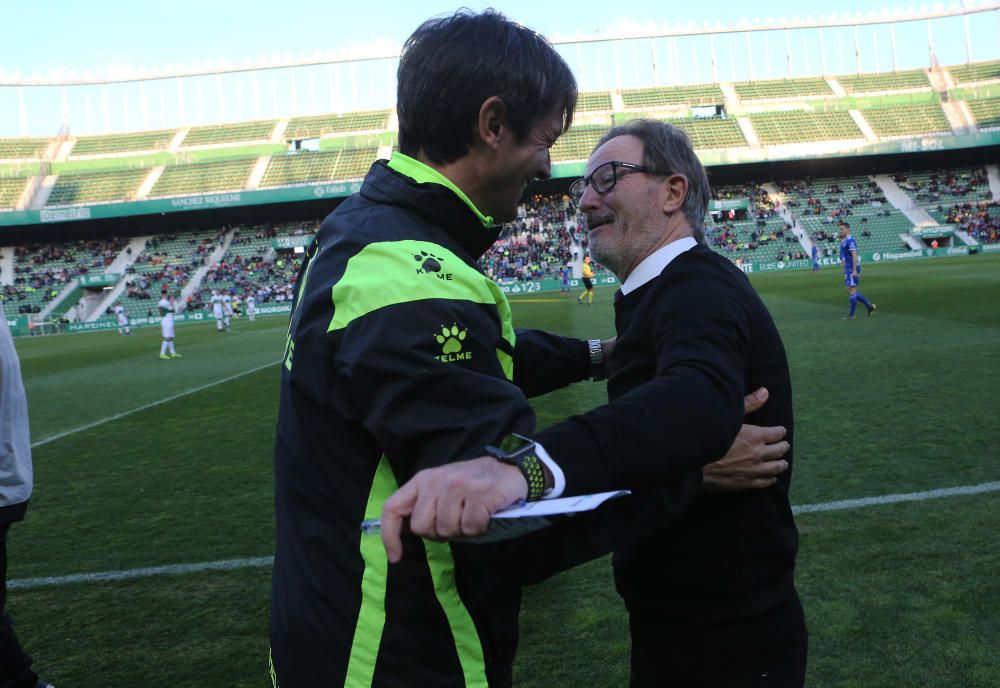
[317, 126]
[819, 204]
[577, 143]
[783, 88]
[976, 72]
[981, 220]
[166, 263]
[226, 175]
[22, 149]
[11, 189]
[300, 168]
[707, 133]
[986, 111]
[936, 190]
[354, 163]
[96, 187]
[594, 101]
[251, 266]
[228, 133]
[890, 81]
[537, 244]
[41, 271]
[907, 120]
[703, 94]
[775, 128]
[123, 143]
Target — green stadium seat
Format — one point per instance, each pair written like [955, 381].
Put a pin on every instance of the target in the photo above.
[890, 81]
[907, 120]
[783, 88]
[976, 71]
[986, 111]
[317, 126]
[775, 128]
[11, 189]
[228, 133]
[96, 187]
[22, 149]
[226, 175]
[702, 94]
[123, 143]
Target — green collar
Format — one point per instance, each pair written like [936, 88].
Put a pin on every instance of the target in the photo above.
[424, 174]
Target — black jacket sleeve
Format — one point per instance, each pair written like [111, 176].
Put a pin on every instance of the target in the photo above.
[685, 417]
[423, 378]
[544, 362]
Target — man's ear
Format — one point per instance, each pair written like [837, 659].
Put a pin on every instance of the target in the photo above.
[492, 121]
[676, 188]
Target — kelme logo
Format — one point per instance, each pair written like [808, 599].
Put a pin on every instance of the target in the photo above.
[450, 339]
[431, 265]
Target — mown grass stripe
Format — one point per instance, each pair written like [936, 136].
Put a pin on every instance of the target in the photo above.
[145, 407]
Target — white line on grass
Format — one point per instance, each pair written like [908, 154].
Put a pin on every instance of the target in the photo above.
[259, 562]
[117, 416]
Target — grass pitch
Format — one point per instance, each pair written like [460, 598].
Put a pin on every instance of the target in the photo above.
[896, 595]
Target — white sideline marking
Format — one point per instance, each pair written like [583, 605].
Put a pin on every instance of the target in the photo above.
[117, 416]
[225, 565]
[258, 562]
[896, 498]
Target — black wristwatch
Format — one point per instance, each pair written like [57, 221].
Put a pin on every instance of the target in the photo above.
[526, 459]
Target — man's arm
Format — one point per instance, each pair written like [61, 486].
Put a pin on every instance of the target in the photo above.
[470, 489]
[854, 263]
[754, 460]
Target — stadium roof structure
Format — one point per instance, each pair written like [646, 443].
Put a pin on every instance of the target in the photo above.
[239, 161]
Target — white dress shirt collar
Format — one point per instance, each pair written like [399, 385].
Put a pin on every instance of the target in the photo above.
[656, 262]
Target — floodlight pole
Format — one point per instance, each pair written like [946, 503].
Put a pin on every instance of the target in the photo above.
[715, 68]
[822, 53]
[857, 50]
[23, 110]
[892, 40]
[104, 107]
[788, 54]
[968, 42]
[749, 56]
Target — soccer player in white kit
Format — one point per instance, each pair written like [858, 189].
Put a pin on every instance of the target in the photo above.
[217, 311]
[166, 306]
[227, 309]
[123, 326]
[251, 308]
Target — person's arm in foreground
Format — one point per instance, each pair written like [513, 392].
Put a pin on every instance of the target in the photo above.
[459, 499]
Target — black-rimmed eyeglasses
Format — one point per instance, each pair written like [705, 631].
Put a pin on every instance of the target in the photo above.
[604, 178]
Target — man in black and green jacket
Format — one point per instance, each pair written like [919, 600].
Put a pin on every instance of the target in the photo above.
[401, 356]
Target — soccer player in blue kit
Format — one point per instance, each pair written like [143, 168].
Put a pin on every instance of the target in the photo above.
[852, 270]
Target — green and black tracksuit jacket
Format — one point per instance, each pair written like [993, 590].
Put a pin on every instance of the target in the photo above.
[401, 355]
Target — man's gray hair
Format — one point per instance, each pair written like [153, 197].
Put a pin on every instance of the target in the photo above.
[667, 150]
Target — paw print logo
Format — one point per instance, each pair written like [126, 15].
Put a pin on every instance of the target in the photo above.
[451, 339]
[429, 262]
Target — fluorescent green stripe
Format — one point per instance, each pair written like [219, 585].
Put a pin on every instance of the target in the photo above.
[270, 666]
[506, 327]
[425, 174]
[386, 273]
[371, 616]
[467, 643]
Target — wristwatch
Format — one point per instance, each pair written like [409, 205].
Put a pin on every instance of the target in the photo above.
[598, 371]
[527, 461]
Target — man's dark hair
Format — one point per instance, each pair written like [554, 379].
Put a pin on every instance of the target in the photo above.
[667, 149]
[451, 65]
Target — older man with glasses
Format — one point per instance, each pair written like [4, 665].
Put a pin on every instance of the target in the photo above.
[710, 595]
